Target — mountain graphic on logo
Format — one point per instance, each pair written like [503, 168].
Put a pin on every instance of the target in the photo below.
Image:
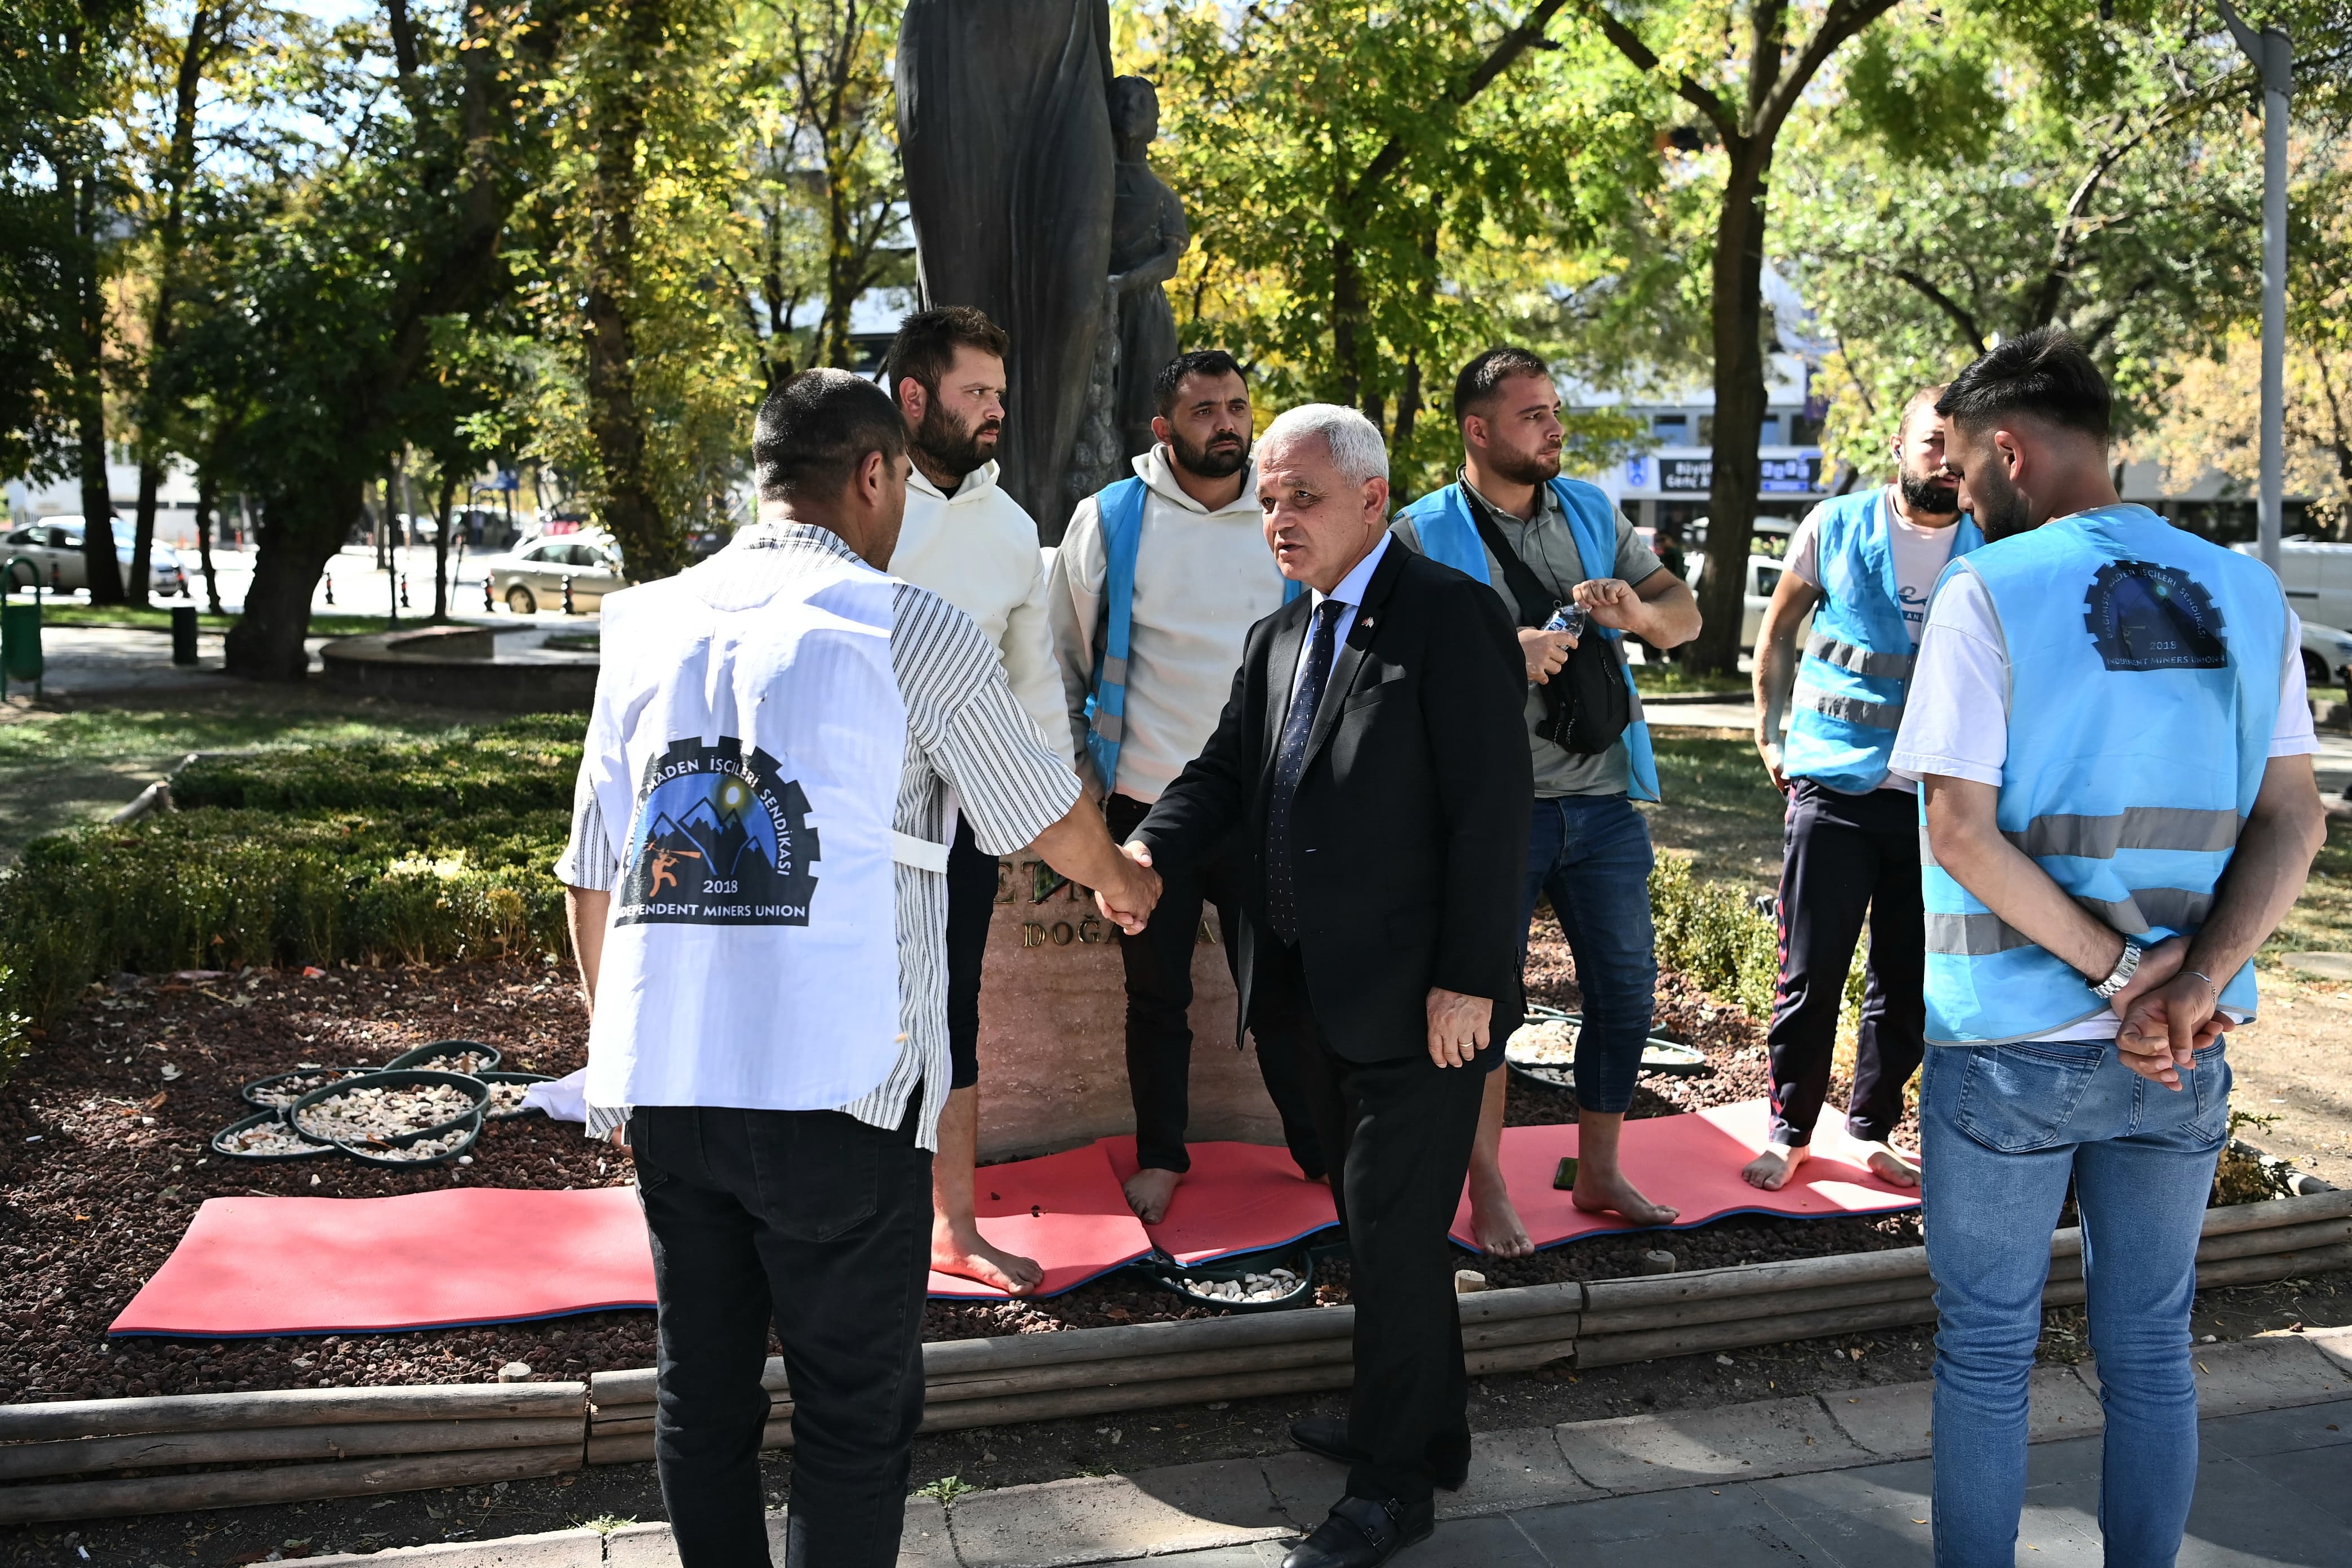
[722, 840]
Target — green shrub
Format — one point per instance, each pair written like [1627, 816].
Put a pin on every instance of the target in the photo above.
[1716, 935]
[523, 764]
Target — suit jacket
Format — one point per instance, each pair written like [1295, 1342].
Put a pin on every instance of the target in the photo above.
[1409, 829]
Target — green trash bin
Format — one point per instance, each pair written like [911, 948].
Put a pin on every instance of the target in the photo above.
[20, 627]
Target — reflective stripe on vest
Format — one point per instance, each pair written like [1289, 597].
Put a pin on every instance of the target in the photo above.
[1449, 537]
[749, 734]
[2144, 670]
[1848, 701]
[1119, 511]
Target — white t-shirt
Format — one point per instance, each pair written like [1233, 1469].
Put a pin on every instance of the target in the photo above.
[1956, 723]
[1920, 557]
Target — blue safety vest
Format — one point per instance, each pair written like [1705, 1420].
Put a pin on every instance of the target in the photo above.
[1448, 536]
[1118, 510]
[1848, 701]
[2143, 686]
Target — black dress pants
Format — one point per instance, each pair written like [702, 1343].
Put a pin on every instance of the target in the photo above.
[818, 1223]
[1400, 1133]
[1160, 1002]
[1846, 854]
[972, 903]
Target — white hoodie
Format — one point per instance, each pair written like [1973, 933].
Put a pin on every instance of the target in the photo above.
[978, 549]
[1202, 579]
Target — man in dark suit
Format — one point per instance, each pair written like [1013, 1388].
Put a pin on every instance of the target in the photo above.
[1370, 753]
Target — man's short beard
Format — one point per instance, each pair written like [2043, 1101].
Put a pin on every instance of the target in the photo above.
[1203, 463]
[1520, 468]
[1932, 497]
[2001, 512]
[947, 443]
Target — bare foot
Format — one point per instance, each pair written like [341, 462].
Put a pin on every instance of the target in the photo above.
[1771, 1169]
[1889, 1164]
[1494, 1219]
[968, 1256]
[1149, 1192]
[1611, 1192]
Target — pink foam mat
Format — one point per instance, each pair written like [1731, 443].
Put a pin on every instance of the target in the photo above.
[1237, 1197]
[1064, 1210]
[423, 1260]
[1689, 1162]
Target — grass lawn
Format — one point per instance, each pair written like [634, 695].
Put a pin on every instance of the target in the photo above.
[1719, 808]
[2322, 918]
[69, 612]
[1668, 681]
[60, 767]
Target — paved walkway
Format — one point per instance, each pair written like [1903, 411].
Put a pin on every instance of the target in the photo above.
[1839, 1480]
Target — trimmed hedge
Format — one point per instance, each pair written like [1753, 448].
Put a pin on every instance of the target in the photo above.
[1717, 936]
[523, 764]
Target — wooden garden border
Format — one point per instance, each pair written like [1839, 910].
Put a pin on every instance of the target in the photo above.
[80, 1459]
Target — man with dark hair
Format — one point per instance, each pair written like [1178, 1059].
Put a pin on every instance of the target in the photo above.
[969, 541]
[1154, 590]
[2108, 723]
[1863, 565]
[773, 1049]
[1557, 549]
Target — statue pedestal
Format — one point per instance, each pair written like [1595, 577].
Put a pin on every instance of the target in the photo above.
[1053, 1027]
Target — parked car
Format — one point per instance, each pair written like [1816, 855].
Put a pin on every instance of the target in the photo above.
[2326, 655]
[532, 578]
[1763, 578]
[2317, 577]
[54, 546]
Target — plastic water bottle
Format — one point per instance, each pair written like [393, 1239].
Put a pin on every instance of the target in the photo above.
[1569, 618]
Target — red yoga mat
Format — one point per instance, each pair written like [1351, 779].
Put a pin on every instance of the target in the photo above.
[1689, 1162]
[1237, 1197]
[423, 1260]
[1064, 1210]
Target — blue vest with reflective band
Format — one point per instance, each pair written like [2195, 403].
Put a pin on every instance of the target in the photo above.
[1449, 536]
[1849, 697]
[1120, 510]
[2144, 687]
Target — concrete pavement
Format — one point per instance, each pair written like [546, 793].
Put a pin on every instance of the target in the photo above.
[1840, 1481]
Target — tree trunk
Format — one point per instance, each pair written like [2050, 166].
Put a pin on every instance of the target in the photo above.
[1407, 409]
[301, 532]
[101, 571]
[1739, 404]
[142, 531]
[207, 492]
[1347, 319]
[441, 548]
[631, 511]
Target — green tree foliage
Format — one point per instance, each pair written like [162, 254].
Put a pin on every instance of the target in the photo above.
[1379, 191]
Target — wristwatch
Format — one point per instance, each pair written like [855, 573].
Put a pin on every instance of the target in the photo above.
[2126, 967]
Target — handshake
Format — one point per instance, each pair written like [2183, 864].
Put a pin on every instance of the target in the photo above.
[1125, 896]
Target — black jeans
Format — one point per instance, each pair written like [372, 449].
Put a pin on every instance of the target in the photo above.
[1846, 854]
[821, 1223]
[971, 903]
[1160, 1002]
[1401, 1132]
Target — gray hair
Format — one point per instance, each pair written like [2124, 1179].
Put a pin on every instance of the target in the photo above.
[1353, 441]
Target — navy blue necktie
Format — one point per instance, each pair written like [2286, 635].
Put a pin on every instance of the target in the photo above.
[1290, 762]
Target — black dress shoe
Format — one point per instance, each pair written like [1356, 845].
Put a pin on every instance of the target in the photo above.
[1363, 1532]
[1328, 1435]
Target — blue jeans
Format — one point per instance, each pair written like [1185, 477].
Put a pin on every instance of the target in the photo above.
[1591, 853]
[2002, 1130]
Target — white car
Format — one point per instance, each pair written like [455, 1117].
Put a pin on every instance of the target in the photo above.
[2326, 654]
[532, 578]
[53, 546]
[2317, 577]
[1763, 577]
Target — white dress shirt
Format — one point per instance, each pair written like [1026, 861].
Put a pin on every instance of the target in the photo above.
[1350, 592]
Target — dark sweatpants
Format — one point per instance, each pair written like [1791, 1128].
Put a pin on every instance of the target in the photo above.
[1400, 1134]
[823, 1225]
[1847, 854]
[1160, 1003]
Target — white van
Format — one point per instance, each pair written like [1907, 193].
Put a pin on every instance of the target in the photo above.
[2317, 578]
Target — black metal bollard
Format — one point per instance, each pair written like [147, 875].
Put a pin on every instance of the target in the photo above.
[488, 603]
[330, 590]
[567, 596]
[183, 634]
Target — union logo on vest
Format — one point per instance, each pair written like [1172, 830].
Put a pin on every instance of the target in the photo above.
[2143, 615]
[718, 840]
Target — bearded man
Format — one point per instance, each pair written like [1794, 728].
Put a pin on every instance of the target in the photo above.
[1154, 591]
[970, 542]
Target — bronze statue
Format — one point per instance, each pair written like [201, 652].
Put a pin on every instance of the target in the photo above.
[1147, 238]
[1004, 131]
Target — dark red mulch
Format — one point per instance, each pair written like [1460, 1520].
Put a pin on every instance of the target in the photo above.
[99, 1176]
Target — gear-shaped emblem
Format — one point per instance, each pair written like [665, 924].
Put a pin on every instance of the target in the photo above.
[718, 840]
[2144, 616]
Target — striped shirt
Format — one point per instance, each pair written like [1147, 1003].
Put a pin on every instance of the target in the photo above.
[965, 733]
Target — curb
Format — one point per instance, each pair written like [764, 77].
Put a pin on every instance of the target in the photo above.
[1236, 1502]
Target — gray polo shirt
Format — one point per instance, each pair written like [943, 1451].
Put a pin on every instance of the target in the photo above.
[1549, 547]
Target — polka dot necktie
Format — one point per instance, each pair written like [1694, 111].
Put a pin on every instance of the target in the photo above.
[1290, 762]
